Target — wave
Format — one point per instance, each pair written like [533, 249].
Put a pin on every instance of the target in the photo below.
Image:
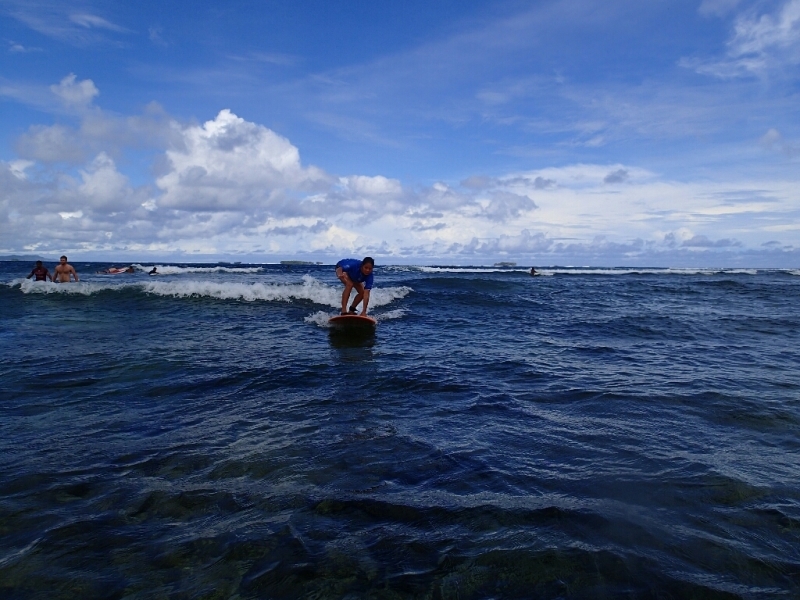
[173, 270]
[470, 270]
[310, 289]
[547, 271]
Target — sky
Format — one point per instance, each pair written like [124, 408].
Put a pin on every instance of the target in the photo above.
[546, 132]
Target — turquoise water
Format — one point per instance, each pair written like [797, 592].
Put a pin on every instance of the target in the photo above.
[590, 433]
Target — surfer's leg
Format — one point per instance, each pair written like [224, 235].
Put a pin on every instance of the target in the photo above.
[348, 286]
[359, 296]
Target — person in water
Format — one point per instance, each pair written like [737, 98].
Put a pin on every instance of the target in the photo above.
[154, 271]
[64, 271]
[354, 273]
[40, 272]
[130, 269]
[533, 271]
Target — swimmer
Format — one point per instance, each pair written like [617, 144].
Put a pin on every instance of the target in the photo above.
[40, 272]
[64, 271]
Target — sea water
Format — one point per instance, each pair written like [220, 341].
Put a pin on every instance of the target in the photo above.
[588, 433]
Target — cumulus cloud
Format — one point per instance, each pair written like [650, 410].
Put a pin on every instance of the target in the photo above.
[56, 143]
[98, 131]
[373, 186]
[503, 205]
[73, 93]
[232, 164]
[105, 189]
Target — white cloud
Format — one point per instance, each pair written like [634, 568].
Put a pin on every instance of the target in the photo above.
[372, 186]
[233, 186]
[104, 188]
[504, 205]
[73, 93]
[761, 43]
[93, 21]
[232, 164]
[56, 19]
[56, 143]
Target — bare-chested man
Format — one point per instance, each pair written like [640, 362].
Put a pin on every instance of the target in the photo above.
[63, 272]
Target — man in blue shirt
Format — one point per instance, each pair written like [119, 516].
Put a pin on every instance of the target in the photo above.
[356, 274]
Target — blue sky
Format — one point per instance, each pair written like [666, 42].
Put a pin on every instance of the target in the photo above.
[542, 132]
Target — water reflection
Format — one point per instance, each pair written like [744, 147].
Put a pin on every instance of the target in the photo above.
[353, 345]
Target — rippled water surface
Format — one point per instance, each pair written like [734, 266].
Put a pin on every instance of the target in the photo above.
[583, 434]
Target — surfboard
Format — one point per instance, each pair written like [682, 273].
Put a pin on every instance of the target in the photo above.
[113, 271]
[354, 322]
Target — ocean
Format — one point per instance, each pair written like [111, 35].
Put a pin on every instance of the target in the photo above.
[588, 433]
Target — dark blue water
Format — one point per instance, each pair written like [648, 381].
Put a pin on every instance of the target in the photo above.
[583, 434]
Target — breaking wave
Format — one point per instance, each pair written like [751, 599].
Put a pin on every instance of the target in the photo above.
[310, 289]
[173, 270]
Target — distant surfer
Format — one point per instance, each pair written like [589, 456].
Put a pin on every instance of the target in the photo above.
[533, 271]
[354, 273]
[40, 272]
[115, 271]
[130, 269]
[64, 271]
[154, 271]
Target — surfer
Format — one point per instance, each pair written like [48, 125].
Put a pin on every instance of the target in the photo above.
[154, 271]
[130, 269]
[64, 270]
[40, 272]
[533, 271]
[354, 273]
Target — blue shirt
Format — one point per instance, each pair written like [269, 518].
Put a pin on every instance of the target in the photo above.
[352, 267]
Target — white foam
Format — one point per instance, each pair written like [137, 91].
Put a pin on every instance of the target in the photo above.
[85, 288]
[397, 313]
[310, 289]
[173, 270]
[319, 318]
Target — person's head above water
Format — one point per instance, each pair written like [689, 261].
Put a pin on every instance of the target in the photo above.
[38, 263]
[367, 265]
[63, 259]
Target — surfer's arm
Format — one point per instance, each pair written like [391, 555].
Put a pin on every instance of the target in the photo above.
[365, 302]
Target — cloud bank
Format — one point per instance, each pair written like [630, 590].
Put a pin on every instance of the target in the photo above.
[232, 187]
